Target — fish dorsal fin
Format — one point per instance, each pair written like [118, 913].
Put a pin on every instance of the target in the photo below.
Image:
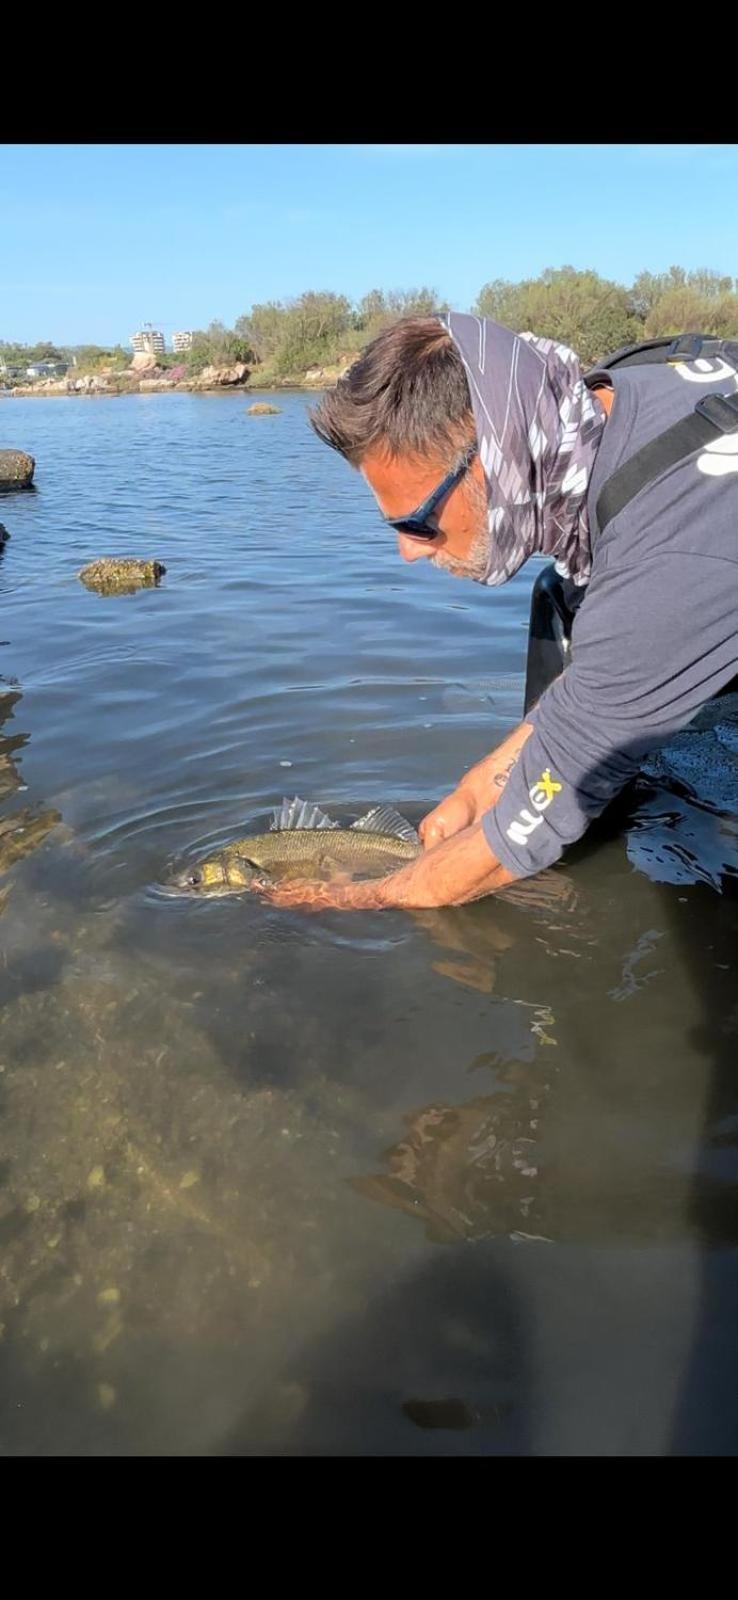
[299, 814]
[384, 819]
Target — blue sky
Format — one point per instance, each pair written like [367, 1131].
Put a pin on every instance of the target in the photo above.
[95, 239]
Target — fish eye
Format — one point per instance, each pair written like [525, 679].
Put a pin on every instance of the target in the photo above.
[195, 878]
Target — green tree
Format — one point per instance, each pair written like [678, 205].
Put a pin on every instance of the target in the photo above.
[24, 355]
[380, 308]
[686, 310]
[216, 346]
[45, 351]
[93, 357]
[711, 285]
[13, 355]
[316, 324]
[262, 329]
[372, 310]
[590, 314]
[651, 289]
[290, 336]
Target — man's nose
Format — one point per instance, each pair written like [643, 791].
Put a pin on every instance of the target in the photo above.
[414, 549]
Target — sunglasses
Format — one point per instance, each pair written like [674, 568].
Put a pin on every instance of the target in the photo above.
[416, 523]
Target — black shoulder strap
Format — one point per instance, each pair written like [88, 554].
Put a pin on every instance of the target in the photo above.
[713, 415]
[685, 347]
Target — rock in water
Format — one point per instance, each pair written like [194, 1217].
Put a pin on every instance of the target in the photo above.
[261, 409]
[16, 469]
[121, 574]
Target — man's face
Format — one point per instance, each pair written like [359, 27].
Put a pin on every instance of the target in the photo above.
[461, 543]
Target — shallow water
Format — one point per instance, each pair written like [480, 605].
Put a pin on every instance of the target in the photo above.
[449, 1183]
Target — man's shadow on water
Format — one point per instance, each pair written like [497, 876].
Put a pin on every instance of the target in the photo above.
[685, 833]
[707, 1420]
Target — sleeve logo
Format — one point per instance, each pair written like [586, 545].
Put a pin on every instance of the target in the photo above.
[540, 795]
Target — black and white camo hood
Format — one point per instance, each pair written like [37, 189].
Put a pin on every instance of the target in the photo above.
[538, 428]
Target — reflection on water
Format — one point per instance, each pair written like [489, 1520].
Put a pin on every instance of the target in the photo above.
[10, 744]
[687, 828]
[503, 1164]
[450, 1182]
[551, 899]
[466, 1171]
[20, 831]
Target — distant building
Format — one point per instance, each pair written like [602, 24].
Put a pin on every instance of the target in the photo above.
[47, 369]
[148, 341]
[181, 341]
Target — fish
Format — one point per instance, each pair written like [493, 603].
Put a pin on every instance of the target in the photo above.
[304, 840]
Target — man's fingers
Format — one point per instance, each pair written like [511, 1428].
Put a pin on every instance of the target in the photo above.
[285, 896]
[431, 831]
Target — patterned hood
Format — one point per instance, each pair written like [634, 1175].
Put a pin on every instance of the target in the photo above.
[538, 428]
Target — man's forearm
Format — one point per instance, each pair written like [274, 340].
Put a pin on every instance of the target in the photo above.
[454, 873]
[488, 778]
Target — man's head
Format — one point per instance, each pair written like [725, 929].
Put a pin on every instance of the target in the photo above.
[403, 417]
[427, 389]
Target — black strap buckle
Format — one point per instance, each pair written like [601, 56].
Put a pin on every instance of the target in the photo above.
[686, 348]
[721, 410]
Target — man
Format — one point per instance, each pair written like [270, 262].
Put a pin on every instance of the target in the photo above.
[483, 448]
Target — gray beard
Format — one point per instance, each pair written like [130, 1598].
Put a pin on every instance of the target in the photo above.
[475, 564]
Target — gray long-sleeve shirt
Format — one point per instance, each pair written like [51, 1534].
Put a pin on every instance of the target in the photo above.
[656, 635]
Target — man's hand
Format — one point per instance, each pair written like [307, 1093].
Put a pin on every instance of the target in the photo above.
[457, 811]
[479, 789]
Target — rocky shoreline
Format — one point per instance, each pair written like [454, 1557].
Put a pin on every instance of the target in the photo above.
[151, 379]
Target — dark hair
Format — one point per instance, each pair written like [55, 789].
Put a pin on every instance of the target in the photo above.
[407, 391]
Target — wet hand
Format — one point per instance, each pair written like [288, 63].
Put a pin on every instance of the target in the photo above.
[457, 811]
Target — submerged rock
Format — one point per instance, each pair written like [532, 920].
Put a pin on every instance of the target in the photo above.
[16, 469]
[261, 409]
[121, 574]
